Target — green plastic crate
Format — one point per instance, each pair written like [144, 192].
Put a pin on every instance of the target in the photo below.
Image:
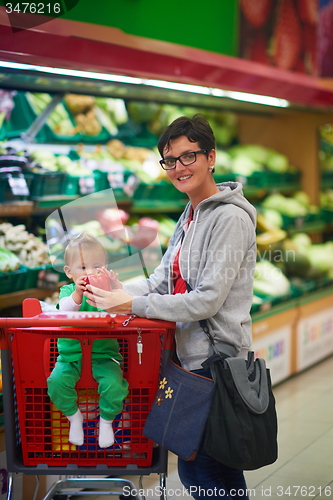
[101, 180]
[13, 281]
[327, 215]
[33, 273]
[48, 184]
[145, 191]
[327, 179]
[22, 116]
[76, 185]
[302, 287]
[32, 276]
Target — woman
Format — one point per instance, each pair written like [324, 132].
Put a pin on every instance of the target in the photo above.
[213, 249]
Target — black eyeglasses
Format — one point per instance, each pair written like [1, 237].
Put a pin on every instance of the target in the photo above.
[185, 159]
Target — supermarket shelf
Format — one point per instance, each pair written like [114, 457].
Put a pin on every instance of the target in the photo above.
[16, 298]
[46, 204]
[274, 310]
[18, 209]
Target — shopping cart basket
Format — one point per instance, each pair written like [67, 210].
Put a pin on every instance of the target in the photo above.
[37, 433]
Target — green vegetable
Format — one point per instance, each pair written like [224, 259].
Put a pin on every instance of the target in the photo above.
[243, 165]
[270, 280]
[276, 162]
[302, 198]
[8, 260]
[284, 205]
[273, 217]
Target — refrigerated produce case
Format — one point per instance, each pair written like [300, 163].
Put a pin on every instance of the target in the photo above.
[291, 130]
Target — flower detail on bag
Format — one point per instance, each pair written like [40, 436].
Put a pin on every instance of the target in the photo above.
[159, 400]
[163, 383]
[168, 393]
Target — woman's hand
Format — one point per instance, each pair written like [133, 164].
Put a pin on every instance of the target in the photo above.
[115, 301]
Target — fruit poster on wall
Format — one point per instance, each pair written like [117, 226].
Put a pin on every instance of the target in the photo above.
[280, 33]
[325, 39]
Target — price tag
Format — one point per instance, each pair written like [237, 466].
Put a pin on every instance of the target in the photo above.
[87, 185]
[18, 185]
[116, 179]
[47, 279]
[131, 184]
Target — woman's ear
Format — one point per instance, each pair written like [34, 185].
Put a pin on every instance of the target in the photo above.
[212, 157]
[67, 271]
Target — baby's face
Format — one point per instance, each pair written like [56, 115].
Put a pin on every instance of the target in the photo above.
[86, 262]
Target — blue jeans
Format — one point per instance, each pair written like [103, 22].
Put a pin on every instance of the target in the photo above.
[207, 479]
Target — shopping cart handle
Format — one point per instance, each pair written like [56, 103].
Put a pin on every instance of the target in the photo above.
[86, 320]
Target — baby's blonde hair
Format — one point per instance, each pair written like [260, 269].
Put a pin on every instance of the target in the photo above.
[80, 244]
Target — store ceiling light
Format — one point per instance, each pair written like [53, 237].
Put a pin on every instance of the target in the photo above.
[180, 87]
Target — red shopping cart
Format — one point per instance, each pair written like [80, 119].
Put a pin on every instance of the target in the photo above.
[37, 433]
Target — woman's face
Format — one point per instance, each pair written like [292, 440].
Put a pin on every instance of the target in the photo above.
[195, 180]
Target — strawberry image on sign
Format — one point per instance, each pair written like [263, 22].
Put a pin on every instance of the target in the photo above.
[256, 12]
[99, 281]
[257, 49]
[287, 36]
[325, 41]
[308, 11]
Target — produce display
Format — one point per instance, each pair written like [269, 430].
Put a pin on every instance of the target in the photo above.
[116, 156]
[249, 158]
[285, 261]
[156, 116]
[42, 159]
[26, 248]
[59, 120]
[307, 259]
[269, 280]
[8, 261]
[326, 199]
[297, 205]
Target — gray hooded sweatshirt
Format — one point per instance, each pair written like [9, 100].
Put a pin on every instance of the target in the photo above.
[217, 259]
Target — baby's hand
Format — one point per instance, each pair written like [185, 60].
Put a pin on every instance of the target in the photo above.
[115, 283]
[81, 285]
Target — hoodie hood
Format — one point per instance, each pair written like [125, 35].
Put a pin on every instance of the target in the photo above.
[230, 193]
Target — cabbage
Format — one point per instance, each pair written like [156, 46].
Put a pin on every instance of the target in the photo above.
[276, 162]
[302, 198]
[243, 165]
[273, 217]
[270, 280]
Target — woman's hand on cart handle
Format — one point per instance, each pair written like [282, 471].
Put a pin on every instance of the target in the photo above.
[115, 301]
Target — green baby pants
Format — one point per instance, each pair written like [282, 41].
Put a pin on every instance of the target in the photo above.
[112, 387]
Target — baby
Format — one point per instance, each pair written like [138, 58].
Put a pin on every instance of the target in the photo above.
[85, 255]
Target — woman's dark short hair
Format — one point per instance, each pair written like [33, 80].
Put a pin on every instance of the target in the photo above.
[196, 129]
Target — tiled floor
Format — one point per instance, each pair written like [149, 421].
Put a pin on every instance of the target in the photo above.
[305, 465]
